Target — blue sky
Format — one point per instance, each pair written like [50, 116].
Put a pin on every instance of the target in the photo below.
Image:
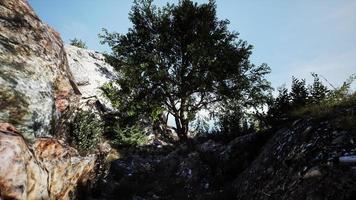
[292, 37]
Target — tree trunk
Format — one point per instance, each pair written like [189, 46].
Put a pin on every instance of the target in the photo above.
[182, 128]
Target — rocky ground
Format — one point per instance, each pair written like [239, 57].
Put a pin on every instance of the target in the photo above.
[43, 82]
[305, 159]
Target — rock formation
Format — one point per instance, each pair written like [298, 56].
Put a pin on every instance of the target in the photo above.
[34, 76]
[46, 170]
[41, 84]
[309, 159]
[90, 72]
[37, 93]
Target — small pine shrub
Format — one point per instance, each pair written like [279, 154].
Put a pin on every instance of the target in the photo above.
[338, 98]
[78, 43]
[85, 131]
[129, 136]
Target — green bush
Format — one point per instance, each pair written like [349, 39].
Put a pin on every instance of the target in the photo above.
[85, 131]
[341, 97]
[78, 43]
[129, 136]
[318, 101]
[327, 106]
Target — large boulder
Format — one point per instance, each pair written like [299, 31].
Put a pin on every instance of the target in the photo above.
[46, 170]
[37, 94]
[34, 76]
[90, 73]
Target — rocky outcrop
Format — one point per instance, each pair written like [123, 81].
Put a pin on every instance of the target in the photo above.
[34, 76]
[37, 93]
[309, 159]
[47, 170]
[90, 73]
[196, 170]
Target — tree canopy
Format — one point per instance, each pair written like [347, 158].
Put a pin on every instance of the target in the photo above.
[180, 59]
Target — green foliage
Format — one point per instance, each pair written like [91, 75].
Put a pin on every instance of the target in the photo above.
[130, 111]
[280, 106]
[299, 94]
[318, 91]
[129, 136]
[301, 99]
[78, 43]
[85, 131]
[201, 126]
[320, 102]
[338, 94]
[230, 117]
[109, 90]
[340, 97]
[183, 59]
[325, 107]
[244, 112]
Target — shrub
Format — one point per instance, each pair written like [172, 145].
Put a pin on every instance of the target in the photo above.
[318, 101]
[85, 131]
[201, 125]
[299, 92]
[337, 98]
[78, 43]
[318, 91]
[326, 106]
[129, 136]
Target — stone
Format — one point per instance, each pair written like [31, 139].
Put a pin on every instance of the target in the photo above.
[341, 139]
[311, 173]
[33, 71]
[37, 95]
[47, 170]
[348, 160]
[90, 73]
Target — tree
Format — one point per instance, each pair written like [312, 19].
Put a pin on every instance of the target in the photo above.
[78, 43]
[180, 58]
[280, 106]
[299, 93]
[318, 91]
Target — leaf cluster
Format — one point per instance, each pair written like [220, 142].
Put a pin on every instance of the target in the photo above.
[182, 59]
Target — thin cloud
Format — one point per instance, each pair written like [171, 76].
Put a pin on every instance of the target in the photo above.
[336, 68]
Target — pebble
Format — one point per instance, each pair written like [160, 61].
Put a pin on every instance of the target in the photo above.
[311, 173]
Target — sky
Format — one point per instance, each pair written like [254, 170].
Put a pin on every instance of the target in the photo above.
[295, 38]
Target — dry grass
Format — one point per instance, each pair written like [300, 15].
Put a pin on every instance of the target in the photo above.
[327, 107]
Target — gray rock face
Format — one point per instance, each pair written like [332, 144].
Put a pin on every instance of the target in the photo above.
[33, 71]
[90, 72]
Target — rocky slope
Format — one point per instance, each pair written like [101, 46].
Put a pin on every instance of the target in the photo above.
[43, 82]
[306, 159]
[312, 159]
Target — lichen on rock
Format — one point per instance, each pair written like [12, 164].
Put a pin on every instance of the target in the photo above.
[37, 95]
[90, 72]
[33, 67]
[46, 170]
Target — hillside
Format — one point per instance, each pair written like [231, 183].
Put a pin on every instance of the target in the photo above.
[304, 159]
[59, 138]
